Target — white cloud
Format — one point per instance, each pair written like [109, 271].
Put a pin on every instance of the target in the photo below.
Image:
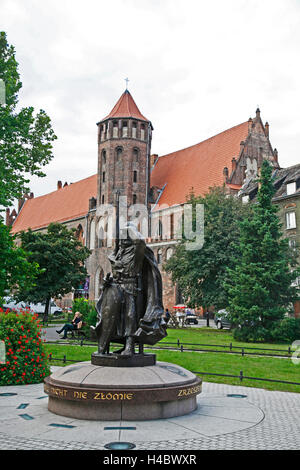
[195, 68]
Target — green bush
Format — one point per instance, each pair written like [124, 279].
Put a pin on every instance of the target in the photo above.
[26, 361]
[288, 330]
[88, 312]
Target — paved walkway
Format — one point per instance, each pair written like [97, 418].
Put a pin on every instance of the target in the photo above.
[261, 420]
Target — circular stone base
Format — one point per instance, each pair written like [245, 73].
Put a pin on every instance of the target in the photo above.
[117, 360]
[86, 391]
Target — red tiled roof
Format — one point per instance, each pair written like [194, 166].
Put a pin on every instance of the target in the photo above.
[126, 107]
[66, 203]
[198, 167]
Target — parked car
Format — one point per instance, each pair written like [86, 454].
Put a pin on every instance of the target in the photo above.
[221, 319]
[191, 319]
[10, 304]
[38, 308]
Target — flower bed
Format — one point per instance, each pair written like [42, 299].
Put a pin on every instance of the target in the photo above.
[26, 361]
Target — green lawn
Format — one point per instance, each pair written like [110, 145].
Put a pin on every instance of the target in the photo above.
[252, 366]
[213, 339]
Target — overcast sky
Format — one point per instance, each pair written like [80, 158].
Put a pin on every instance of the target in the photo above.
[195, 68]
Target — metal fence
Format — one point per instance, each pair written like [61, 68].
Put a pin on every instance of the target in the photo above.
[241, 375]
[181, 346]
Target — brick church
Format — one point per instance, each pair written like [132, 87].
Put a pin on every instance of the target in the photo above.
[161, 183]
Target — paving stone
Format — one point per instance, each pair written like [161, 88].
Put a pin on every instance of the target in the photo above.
[274, 423]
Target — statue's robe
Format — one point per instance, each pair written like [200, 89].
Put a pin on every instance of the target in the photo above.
[136, 275]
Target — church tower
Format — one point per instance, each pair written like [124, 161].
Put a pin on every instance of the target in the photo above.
[124, 143]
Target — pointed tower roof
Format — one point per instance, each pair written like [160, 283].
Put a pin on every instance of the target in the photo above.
[126, 108]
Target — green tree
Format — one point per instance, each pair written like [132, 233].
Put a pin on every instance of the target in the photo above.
[16, 272]
[25, 146]
[25, 138]
[200, 273]
[61, 257]
[259, 287]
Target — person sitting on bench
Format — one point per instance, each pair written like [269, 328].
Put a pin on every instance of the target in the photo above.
[75, 325]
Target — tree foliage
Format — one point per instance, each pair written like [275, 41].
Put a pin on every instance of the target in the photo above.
[16, 272]
[60, 255]
[260, 285]
[200, 274]
[25, 138]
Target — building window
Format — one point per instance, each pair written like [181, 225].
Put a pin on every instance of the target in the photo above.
[92, 234]
[290, 188]
[101, 133]
[159, 256]
[292, 243]
[103, 199]
[134, 130]
[169, 253]
[115, 129]
[290, 220]
[103, 157]
[124, 129]
[160, 228]
[142, 132]
[118, 153]
[135, 176]
[103, 177]
[136, 155]
[79, 234]
[134, 199]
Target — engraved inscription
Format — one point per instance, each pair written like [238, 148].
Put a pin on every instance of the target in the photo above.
[58, 392]
[113, 396]
[189, 391]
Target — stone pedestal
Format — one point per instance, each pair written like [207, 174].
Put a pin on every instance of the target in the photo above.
[104, 393]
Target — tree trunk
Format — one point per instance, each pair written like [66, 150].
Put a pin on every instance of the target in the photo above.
[45, 317]
[207, 317]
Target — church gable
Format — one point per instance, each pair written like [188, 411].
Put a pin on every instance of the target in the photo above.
[253, 150]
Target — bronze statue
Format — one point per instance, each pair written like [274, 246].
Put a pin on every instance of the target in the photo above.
[130, 309]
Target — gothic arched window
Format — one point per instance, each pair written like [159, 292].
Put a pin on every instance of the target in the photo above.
[92, 234]
[159, 256]
[134, 128]
[103, 157]
[135, 176]
[79, 233]
[119, 152]
[124, 129]
[115, 129]
[135, 155]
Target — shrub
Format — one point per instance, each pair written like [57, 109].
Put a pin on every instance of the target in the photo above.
[287, 331]
[88, 312]
[26, 361]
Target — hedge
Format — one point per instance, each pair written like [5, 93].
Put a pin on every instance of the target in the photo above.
[26, 361]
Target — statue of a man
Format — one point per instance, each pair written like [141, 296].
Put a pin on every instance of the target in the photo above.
[130, 308]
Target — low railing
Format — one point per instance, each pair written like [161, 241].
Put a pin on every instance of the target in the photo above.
[180, 346]
[241, 375]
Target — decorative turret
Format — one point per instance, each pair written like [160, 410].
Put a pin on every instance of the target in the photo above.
[124, 143]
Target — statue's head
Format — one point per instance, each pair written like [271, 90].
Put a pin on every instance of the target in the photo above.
[130, 235]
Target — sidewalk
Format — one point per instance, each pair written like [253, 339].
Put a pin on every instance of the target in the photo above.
[261, 420]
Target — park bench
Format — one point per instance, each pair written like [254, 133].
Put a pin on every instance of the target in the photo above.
[78, 333]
